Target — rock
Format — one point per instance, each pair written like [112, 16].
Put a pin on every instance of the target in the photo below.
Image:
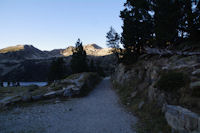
[69, 109]
[196, 72]
[26, 97]
[50, 94]
[194, 84]
[76, 90]
[140, 105]
[154, 73]
[181, 119]
[10, 99]
[59, 92]
[37, 97]
[151, 93]
[143, 86]
[50, 88]
[133, 94]
[57, 101]
[68, 92]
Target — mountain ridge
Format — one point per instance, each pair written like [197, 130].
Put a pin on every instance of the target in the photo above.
[21, 52]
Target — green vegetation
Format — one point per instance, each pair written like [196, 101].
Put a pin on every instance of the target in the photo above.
[172, 81]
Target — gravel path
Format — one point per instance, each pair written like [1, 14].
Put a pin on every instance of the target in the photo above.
[99, 112]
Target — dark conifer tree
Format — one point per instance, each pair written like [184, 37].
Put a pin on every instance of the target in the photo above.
[137, 27]
[8, 84]
[1, 84]
[166, 20]
[57, 70]
[189, 19]
[113, 39]
[92, 67]
[79, 59]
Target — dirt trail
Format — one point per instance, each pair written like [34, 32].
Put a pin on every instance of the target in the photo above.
[99, 112]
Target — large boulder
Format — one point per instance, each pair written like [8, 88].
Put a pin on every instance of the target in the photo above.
[181, 119]
[51, 94]
[9, 100]
[26, 97]
[79, 84]
[37, 97]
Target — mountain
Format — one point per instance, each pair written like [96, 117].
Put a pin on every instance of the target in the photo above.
[27, 63]
[91, 49]
[21, 52]
[55, 52]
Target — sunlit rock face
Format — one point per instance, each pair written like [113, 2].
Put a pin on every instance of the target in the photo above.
[91, 49]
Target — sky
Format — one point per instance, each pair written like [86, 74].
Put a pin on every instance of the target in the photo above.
[53, 24]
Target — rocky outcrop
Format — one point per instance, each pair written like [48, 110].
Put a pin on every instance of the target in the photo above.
[140, 80]
[73, 86]
[76, 85]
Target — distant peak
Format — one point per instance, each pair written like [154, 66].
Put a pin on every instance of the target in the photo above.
[16, 48]
[95, 46]
[12, 49]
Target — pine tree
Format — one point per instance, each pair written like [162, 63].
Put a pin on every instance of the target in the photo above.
[166, 20]
[113, 40]
[79, 59]
[1, 84]
[190, 16]
[57, 70]
[92, 67]
[137, 27]
[8, 84]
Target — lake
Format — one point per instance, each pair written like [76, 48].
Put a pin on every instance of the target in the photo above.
[29, 83]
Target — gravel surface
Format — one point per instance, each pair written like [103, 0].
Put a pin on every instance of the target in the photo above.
[99, 112]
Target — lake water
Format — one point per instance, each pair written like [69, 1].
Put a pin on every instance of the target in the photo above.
[29, 83]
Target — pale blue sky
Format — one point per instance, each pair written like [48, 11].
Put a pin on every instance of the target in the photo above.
[49, 24]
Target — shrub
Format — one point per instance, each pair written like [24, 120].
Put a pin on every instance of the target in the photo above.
[172, 81]
[196, 92]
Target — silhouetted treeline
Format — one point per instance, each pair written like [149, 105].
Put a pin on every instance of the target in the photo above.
[158, 23]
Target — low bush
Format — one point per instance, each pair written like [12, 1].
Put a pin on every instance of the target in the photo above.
[196, 92]
[172, 81]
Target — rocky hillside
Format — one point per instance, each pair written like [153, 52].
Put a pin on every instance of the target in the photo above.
[21, 52]
[27, 63]
[162, 91]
